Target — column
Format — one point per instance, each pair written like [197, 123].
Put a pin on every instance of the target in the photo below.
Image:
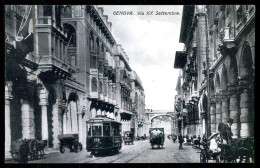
[213, 116]
[233, 107]
[218, 111]
[80, 126]
[55, 124]
[225, 107]
[27, 120]
[244, 108]
[64, 122]
[8, 97]
[43, 94]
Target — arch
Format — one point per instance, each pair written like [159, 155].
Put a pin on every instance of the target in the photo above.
[94, 84]
[73, 97]
[72, 110]
[217, 83]
[246, 62]
[224, 80]
[157, 115]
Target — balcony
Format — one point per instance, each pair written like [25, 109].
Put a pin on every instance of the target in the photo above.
[47, 62]
[93, 95]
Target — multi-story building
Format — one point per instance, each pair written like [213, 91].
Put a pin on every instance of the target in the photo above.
[68, 70]
[226, 35]
[138, 100]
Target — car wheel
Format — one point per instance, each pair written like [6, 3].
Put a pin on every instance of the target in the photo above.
[62, 149]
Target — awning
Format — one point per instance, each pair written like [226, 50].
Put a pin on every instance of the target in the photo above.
[126, 112]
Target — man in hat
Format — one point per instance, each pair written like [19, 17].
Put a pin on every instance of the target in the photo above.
[229, 132]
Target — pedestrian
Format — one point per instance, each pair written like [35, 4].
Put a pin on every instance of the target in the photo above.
[180, 141]
[191, 138]
[229, 132]
[204, 139]
[199, 138]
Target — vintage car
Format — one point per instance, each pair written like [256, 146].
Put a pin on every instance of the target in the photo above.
[157, 137]
[128, 137]
[103, 135]
[69, 141]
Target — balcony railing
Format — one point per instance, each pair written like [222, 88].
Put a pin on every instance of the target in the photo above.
[50, 61]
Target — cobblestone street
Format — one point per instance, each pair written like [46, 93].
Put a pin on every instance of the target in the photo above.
[140, 152]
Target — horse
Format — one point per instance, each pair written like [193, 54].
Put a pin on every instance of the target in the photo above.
[235, 148]
[40, 146]
[245, 148]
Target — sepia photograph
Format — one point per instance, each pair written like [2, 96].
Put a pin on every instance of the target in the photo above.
[129, 84]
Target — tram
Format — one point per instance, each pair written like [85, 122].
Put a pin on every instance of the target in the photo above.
[103, 135]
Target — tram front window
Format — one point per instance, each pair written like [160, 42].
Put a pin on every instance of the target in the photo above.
[106, 130]
[117, 131]
[96, 130]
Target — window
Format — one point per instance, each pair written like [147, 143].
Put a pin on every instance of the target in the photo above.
[67, 12]
[96, 130]
[105, 90]
[239, 14]
[47, 10]
[94, 85]
[106, 130]
[100, 88]
[117, 130]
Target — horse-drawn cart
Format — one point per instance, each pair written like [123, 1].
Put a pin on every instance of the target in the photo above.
[23, 150]
[69, 141]
[210, 149]
[157, 137]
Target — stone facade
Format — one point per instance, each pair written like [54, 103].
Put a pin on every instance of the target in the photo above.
[226, 34]
[75, 72]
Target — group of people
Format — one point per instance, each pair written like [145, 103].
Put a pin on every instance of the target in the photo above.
[191, 140]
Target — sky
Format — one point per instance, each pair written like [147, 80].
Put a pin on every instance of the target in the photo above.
[150, 41]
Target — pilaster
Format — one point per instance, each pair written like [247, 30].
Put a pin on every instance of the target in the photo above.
[244, 107]
[225, 106]
[8, 98]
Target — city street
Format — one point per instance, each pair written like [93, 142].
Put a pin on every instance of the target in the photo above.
[140, 152]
